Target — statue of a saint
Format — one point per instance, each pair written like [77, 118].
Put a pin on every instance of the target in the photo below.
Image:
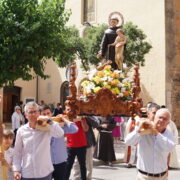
[109, 37]
[119, 43]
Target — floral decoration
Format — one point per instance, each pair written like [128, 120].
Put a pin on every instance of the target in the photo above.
[115, 80]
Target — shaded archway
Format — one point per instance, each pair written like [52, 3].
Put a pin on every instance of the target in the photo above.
[11, 97]
[64, 92]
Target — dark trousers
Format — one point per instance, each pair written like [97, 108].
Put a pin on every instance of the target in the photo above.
[59, 171]
[15, 132]
[49, 177]
[80, 152]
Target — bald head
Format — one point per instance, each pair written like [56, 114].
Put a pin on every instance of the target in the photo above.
[164, 111]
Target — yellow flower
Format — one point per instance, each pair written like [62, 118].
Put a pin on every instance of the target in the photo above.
[100, 74]
[113, 91]
[96, 89]
[115, 75]
[128, 85]
[117, 90]
[107, 86]
[107, 67]
[85, 83]
[97, 79]
[107, 72]
[114, 82]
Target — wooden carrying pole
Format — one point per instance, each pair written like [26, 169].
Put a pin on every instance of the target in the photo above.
[3, 167]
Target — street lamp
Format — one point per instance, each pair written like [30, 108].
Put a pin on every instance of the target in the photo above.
[86, 23]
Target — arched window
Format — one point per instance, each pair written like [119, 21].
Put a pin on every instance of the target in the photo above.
[64, 93]
[89, 11]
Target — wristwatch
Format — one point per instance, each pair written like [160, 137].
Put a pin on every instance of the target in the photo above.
[50, 121]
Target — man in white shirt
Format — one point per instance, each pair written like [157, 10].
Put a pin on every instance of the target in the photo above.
[153, 148]
[32, 160]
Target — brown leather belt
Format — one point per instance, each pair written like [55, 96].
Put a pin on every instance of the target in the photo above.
[153, 175]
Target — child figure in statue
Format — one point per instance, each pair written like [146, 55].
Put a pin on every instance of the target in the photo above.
[119, 43]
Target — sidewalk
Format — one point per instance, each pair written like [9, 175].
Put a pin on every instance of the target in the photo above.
[119, 151]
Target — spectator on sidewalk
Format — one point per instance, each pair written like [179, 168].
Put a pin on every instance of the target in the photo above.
[117, 133]
[130, 155]
[17, 120]
[32, 159]
[58, 147]
[58, 110]
[104, 149]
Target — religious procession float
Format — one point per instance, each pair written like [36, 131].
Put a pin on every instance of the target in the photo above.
[109, 90]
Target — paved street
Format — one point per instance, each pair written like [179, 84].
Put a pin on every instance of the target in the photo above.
[120, 172]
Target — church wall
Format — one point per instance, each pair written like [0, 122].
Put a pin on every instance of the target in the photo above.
[28, 89]
[49, 89]
[176, 70]
[173, 58]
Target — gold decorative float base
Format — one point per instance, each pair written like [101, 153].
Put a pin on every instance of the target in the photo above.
[104, 102]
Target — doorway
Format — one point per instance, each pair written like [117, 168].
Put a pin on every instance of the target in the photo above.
[11, 97]
[64, 93]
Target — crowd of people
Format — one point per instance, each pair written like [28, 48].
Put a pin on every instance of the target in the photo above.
[37, 154]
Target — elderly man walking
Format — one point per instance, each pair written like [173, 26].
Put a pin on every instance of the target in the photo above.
[153, 148]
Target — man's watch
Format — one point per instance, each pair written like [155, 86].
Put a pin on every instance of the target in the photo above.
[50, 121]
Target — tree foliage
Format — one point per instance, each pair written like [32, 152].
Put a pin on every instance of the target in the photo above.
[30, 33]
[136, 46]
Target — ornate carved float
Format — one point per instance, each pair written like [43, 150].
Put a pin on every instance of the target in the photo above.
[104, 102]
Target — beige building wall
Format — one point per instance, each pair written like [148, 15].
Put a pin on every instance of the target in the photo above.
[149, 16]
[40, 89]
[28, 89]
[48, 89]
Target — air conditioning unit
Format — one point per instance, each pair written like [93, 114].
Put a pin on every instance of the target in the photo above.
[29, 99]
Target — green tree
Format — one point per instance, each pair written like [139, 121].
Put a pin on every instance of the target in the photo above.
[72, 49]
[135, 49]
[31, 31]
[136, 46]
